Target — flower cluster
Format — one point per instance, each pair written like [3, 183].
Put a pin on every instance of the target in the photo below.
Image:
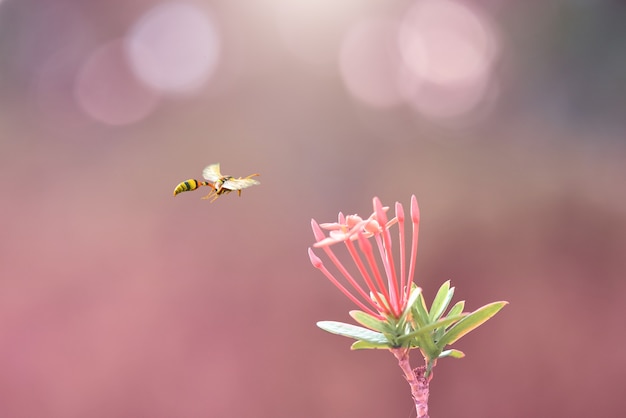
[394, 314]
[389, 292]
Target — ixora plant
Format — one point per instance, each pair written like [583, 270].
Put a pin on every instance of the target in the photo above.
[393, 311]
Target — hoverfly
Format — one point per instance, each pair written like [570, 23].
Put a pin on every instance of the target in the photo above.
[225, 184]
[219, 183]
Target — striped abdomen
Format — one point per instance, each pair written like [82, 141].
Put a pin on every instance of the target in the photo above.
[189, 185]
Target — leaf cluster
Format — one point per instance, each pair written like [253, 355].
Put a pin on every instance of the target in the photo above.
[427, 329]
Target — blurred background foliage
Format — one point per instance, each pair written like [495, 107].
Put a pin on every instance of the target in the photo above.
[506, 119]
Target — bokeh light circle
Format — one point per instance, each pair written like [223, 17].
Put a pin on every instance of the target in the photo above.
[445, 101]
[444, 41]
[174, 47]
[311, 31]
[369, 61]
[448, 50]
[107, 90]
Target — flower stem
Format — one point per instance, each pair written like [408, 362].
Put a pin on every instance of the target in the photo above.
[418, 380]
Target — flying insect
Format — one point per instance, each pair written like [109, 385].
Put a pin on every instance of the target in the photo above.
[221, 184]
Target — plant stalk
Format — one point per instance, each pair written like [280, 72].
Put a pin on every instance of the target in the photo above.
[417, 379]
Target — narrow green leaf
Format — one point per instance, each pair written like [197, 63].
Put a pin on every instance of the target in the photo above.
[415, 293]
[438, 334]
[442, 300]
[452, 353]
[420, 316]
[352, 331]
[427, 346]
[430, 327]
[457, 308]
[369, 321]
[470, 322]
[420, 312]
[364, 345]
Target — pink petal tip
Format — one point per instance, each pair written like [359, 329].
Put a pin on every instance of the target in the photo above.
[415, 210]
[399, 212]
[315, 260]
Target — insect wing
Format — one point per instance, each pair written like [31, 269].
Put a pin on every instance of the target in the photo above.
[238, 184]
[212, 173]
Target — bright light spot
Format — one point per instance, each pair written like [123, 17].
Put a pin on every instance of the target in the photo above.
[107, 90]
[447, 101]
[444, 42]
[448, 50]
[174, 48]
[312, 30]
[369, 62]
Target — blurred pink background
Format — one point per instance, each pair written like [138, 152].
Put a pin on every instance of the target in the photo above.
[506, 119]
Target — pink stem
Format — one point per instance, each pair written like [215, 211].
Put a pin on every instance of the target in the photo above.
[415, 219]
[320, 235]
[366, 276]
[390, 280]
[388, 256]
[366, 249]
[403, 280]
[417, 380]
[317, 263]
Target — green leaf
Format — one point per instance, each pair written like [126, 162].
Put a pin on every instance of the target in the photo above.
[452, 353]
[457, 308]
[420, 316]
[438, 334]
[428, 348]
[352, 331]
[442, 300]
[430, 327]
[415, 293]
[419, 311]
[369, 321]
[470, 322]
[364, 345]
[425, 342]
